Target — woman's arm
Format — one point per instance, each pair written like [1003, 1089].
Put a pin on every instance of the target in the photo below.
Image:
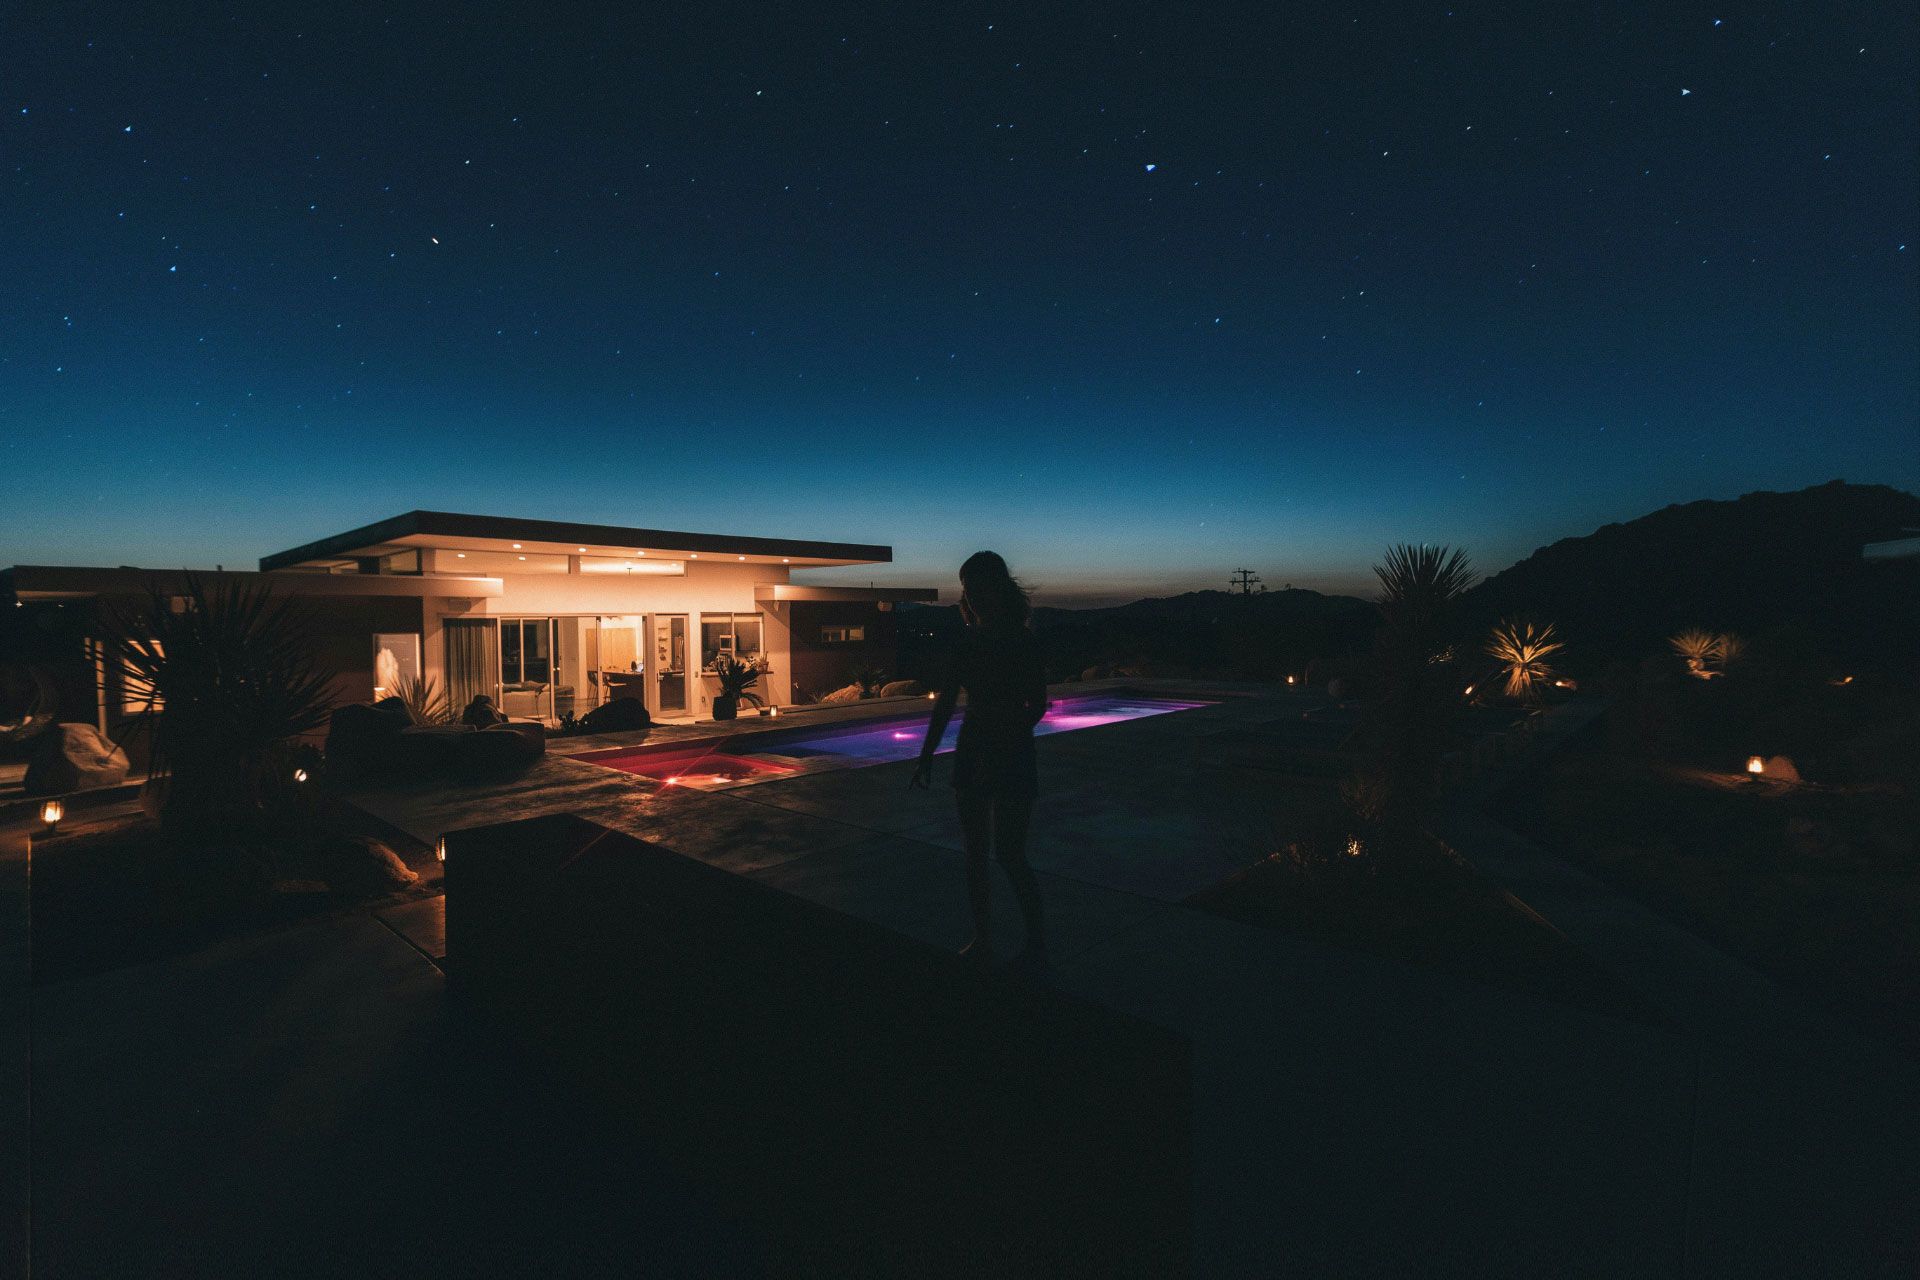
[937, 726]
[1033, 683]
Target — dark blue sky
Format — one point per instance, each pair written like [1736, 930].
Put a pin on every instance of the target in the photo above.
[1133, 296]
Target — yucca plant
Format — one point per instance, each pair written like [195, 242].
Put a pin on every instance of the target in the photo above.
[1521, 649]
[870, 679]
[228, 679]
[1411, 722]
[1701, 649]
[426, 702]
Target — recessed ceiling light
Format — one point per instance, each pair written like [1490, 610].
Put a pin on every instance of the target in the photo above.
[582, 550]
[743, 557]
[639, 553]
[785, 560]
[696, 555]
[460, 555]
[523, 557]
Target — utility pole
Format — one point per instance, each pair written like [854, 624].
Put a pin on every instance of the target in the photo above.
[1247, 580]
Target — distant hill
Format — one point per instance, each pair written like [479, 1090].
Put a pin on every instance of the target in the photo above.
[1767, 563]
[1781, 565]
[1210, 633]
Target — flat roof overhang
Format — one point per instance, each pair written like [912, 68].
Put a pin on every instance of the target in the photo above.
[446, 530]
[783, 592]
[75, 582]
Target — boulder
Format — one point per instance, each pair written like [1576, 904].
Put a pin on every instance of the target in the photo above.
[501, 748]
[368, 865]
[481, 713]
[902, 689]
[616, 716]
[74, 757]
[423, 749]
[1779, 769]
[1095, 672]
[847, 693]
[362, 736]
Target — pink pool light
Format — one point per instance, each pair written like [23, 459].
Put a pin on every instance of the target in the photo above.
[686, 768]
[1066, 717]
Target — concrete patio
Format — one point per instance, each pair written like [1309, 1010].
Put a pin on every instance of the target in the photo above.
[1353, 1115]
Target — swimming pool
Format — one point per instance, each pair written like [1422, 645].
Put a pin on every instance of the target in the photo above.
[761, 756]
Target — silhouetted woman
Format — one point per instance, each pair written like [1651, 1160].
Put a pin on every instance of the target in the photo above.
[994, 776]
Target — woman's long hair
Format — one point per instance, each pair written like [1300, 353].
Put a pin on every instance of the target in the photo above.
[993, 593]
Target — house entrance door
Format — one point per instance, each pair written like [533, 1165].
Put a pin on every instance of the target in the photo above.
[667, 660]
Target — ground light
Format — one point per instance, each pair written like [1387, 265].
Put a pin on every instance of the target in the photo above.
[299, 775]
[50, 813]
[1756, 766]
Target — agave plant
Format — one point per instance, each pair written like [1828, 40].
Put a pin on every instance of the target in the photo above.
[870, 679]
[1521, 648]
[226, 678]
[426, 701]
[736, 678]
[1701, 649]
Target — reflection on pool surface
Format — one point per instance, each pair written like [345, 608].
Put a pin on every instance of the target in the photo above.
[685, 768]
[899, 737]
[859, 742]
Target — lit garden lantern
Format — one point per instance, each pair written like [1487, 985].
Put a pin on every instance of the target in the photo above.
[50, 813]
[1292, 680]
[440, 849]
[1756, 766]
[299, 775]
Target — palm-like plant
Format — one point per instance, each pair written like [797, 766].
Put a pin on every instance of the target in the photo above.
[1411, 722]
[870, 679]
[1700, 648]
[1521, 648]
[426, 701]
[227, 678]
[736, 678]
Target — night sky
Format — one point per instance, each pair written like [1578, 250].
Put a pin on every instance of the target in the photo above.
[1133, 296]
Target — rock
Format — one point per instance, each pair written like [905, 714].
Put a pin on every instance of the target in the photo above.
[1779, 769]
[501, 748]
[848, 693]
[481, 713]
[74, 757]
[1095, 672]
[902, 689]
[371, 866]
[362, 736]
[423, 749]
[617, 716]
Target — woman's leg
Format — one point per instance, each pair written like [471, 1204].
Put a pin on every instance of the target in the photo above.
[976, 825]
[1011, 815]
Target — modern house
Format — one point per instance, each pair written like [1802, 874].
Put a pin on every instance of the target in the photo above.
[546, 617]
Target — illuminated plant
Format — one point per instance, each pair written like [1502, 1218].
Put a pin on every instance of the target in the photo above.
[736, 678]
[1521, 648]
[426, 701]
[1701, 650]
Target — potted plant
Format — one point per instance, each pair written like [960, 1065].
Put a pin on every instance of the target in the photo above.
[736, 679]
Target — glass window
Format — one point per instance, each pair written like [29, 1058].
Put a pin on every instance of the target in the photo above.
[137, 693]
[735, 633]
[526, 650]
[396, 657]
[842, 635]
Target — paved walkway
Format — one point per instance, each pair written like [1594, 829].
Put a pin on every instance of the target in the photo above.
[1353, 1116]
